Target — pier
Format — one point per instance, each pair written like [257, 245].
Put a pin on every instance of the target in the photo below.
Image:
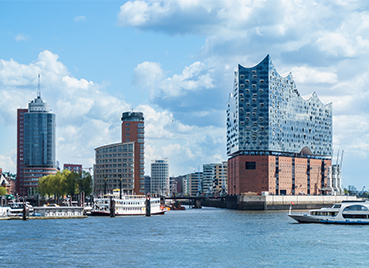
[268, 202]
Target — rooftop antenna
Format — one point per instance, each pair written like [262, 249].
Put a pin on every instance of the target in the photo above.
[39, 90]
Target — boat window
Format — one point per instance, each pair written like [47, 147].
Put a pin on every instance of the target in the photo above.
[336, 206]
[356, 208]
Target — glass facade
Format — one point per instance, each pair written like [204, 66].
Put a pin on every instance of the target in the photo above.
[266, 114]
[39, 135]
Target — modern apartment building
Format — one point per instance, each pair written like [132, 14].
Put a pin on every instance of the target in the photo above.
[35, 145]
[133, 130]
[277, 141]
[214, 179]
[192, 184]
[160, 182]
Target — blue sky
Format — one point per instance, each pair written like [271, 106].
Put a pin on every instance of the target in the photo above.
[174, 61]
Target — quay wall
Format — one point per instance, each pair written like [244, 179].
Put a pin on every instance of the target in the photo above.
[276, 202]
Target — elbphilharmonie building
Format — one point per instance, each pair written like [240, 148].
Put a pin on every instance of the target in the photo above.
[278, 142]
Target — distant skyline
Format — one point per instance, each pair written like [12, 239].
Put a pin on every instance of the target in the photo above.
[174, 61]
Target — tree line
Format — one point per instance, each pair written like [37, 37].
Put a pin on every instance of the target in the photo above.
[65, 183]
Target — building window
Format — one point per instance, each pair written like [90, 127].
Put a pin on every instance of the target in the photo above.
[250, 165]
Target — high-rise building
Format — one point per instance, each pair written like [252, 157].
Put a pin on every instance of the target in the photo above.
[36, 145]
[277, 141]
[133, 130]
[160, 177]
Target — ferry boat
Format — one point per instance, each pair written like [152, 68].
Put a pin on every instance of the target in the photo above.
[128, 205]
[347, 212]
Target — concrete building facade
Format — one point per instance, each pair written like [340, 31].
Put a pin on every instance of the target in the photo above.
[160, 181]
[114, 165]
[35, 145]
[277, 141]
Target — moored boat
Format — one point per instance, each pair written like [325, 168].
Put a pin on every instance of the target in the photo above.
[16, 208]
[347, 212]
[128, 205]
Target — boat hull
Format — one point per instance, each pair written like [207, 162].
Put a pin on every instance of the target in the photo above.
[100, 213]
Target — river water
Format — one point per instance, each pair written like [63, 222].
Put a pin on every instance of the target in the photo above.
[205, 237]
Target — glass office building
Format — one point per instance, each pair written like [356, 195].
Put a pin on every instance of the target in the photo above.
[36, 145]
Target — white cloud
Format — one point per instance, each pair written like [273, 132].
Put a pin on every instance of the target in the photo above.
[21, 37]
[195, 77]
[308, 75]
[79, 18]
[7, 163]
[147, 74]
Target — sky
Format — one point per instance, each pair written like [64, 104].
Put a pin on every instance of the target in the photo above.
[174, 61]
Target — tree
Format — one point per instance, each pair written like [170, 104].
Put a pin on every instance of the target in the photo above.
[85, 182]
[45, 185]
[3, 191]
[70, 182]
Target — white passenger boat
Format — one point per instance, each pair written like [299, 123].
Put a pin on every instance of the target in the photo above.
[16, 208]
[347, 212]
[128, 205]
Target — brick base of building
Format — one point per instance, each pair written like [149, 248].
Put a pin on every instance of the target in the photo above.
[277, 175]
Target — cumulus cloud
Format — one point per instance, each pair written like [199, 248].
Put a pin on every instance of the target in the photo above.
[147, 74]
[310, 75]
[195, 77]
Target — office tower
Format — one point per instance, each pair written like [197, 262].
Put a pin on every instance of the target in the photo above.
[114, 166]
[160, 177]
[133, 130]
[36, 145]
[277, 141]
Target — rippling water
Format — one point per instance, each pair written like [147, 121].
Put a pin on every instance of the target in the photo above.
[206, 237]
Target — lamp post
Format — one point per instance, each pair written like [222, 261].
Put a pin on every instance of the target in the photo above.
[120, 187]
[105, 186]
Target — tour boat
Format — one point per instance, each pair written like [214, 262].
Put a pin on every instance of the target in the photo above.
[347, 212]
[128, 205]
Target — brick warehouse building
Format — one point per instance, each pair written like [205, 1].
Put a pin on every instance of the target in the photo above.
[277, 141]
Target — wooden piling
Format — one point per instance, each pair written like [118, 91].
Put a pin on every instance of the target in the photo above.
[148, 205]
[112, 207]
[24, 211]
